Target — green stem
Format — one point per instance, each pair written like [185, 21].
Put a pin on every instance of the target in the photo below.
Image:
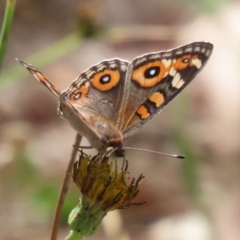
[6, 26]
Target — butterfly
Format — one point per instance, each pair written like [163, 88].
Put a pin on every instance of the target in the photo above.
[114, 99]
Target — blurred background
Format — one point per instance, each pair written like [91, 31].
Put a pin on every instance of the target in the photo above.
[192, 199]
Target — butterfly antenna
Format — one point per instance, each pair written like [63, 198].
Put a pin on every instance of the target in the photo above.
[159, 153]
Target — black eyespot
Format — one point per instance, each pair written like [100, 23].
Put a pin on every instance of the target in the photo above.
[77, 96]
[185, 60]
[105, 79]
[152, 72]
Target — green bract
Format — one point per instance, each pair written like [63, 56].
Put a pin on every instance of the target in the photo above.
[102, 189]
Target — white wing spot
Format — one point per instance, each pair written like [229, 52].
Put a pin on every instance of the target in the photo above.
[113, 65]
[90, 74]
[123, 67]
[197, 63]
[177, 82]
[180, 51]
[140, 60]
[166, 54]
[172, 72]
[167, 62]
[189, 49]
[87, 84]
[197, 49]
[155, 56]
[101, 67]
[208, 53]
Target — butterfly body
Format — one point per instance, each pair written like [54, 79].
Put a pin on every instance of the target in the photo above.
[113, 99]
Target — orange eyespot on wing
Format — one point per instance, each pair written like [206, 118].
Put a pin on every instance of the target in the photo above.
[106, 80]
[150, 74]
[186, 61]
[79, 93]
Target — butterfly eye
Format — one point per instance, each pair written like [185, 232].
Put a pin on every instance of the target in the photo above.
[105, 79]
[152, 72]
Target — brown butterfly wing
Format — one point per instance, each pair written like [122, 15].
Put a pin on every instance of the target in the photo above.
[155, 79]
[97, 95]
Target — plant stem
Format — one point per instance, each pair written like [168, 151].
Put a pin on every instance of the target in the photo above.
[64, 189]
[6, 26]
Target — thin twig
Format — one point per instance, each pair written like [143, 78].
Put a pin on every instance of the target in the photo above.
[64, 189]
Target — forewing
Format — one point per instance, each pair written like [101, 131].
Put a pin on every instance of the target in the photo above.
[66, 109]
[40, 77]
[98, 92]
[155, 79]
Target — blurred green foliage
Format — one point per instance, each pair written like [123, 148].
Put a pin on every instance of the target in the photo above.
[208, 6]
[39, 189]
[189, 166]
[6, 27]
